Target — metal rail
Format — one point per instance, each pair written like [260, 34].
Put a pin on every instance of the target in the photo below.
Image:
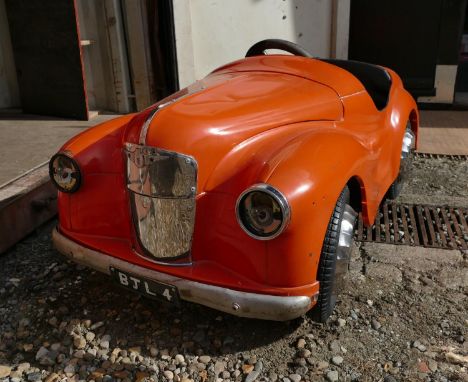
[458, 157]
[418, 225]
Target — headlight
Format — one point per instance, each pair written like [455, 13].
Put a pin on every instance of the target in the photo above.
[65, 173]
[262, 212]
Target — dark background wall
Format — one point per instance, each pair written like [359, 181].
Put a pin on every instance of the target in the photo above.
[411, 37]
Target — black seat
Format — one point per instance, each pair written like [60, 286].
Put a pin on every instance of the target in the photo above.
[375, 79]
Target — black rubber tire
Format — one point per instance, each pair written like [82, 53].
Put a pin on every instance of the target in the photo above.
[395, 188]
[327, 266]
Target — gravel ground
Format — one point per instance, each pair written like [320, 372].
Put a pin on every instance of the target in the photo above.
[437, 182]
[403, 317]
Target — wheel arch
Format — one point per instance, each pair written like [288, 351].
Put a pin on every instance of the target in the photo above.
[312, 177]
[356, 189]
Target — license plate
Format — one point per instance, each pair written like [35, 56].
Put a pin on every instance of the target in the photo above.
[148, 288]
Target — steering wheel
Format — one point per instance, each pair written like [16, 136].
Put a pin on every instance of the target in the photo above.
[260, 47]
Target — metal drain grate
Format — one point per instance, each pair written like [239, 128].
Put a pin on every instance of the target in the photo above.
[420, 225]
[459, 157]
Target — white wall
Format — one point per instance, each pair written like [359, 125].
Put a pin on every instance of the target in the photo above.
[210, 33]
[9, 92]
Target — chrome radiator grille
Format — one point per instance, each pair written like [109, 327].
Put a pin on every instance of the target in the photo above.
[162, 187]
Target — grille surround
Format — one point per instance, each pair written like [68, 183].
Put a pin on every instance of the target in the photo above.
[162, 187]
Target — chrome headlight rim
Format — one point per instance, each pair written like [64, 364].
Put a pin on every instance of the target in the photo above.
[278, 197]
[75, 165]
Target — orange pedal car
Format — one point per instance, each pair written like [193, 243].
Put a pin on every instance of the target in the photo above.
[241, 191]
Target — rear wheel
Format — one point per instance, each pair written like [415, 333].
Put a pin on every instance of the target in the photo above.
[405, 164]
[335, 256]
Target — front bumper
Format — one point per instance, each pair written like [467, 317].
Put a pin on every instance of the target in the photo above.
[243, 304]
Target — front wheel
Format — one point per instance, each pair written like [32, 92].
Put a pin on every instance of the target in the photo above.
[335, 256]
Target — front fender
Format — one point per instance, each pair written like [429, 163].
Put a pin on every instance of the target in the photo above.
[253, 160]
[311, 177]
[98, 152]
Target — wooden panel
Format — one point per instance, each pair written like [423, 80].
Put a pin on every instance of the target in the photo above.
[140, 52]
[9, 92]
[46, 47]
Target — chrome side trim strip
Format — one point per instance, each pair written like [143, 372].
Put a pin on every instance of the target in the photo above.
[149, 119]
[191, 89]
[243, 304]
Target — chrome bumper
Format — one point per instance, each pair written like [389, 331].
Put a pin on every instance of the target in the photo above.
[243, 304]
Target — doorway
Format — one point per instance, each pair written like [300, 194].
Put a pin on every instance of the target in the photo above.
[77, 58]
[410, 49]
[419, 39]
[46, 47]
[461, 85]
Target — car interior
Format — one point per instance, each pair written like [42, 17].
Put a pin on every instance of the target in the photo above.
[375, 79]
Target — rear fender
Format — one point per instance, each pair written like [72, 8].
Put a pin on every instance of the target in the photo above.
[403, 110]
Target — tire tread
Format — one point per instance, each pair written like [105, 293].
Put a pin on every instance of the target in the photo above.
[327, 264]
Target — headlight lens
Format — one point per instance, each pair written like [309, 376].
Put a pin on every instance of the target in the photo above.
[65, 173]
[262, 212]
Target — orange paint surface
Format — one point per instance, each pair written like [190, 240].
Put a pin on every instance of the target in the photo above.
[304, 126]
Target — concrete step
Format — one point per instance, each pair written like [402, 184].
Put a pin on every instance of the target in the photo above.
[26, 202]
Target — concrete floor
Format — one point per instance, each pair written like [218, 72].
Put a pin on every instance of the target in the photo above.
[443, 132]
[27, 141]
[444, 118]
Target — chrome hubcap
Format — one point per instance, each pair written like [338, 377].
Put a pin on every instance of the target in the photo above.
[407, 143]
[345, 240]
[406, 148]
